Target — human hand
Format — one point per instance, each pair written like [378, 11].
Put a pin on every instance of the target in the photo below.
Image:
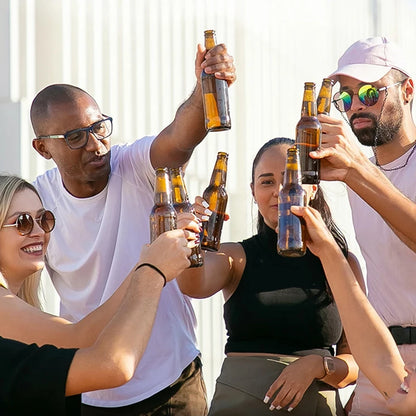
[293, 381]
[402, 403]
[339, 151]
[169, 252]
[216, 61]
[202, 211]
[318, 236]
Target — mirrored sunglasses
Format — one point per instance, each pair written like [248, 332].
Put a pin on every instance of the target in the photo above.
[25, 223]
[367, 94]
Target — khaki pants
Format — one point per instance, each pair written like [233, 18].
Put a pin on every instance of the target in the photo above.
[243, 382]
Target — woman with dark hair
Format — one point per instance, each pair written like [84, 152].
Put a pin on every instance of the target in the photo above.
[280, 316]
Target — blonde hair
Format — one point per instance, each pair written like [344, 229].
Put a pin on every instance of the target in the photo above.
[9, 186]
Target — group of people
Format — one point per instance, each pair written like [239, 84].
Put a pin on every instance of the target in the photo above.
[298, 328]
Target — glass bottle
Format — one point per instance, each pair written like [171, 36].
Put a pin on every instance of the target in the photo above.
[216, 196]
[308, 136]
[163, 214]
[214, 95]
[323, 101]
[181, 204]
[290, 236]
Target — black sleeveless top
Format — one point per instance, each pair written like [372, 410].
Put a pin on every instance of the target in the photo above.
[281, 304]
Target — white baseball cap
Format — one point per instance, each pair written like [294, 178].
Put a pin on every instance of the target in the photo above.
[369, 60]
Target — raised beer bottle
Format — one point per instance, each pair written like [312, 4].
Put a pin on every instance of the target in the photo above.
[290, 236]
[323, 101]
[214, 95]
[308, 136]
[181, 204]
[216, 196]
[163, 214]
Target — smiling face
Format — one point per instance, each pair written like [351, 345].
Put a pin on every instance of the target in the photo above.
[21, 256]
[268, 180]
[383, 119]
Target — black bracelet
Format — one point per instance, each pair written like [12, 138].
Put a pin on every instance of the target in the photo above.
[154, 268]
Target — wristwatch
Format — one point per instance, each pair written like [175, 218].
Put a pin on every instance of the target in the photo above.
[329, 366]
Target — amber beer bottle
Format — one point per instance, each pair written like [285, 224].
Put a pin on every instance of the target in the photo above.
[216, 196]
[215, 95]
[181, 204]
[290, 236]
[163, 214]
[308, 135]
[323, 101]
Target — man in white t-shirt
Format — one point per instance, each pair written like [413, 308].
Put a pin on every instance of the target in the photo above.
[375, 98]
[101, 197]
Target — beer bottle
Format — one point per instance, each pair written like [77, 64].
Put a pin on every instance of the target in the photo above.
[216, 196]
[308, 135]
[181, 204]
[214, 95]
[163, 215]
[324, 97]
[290, 236]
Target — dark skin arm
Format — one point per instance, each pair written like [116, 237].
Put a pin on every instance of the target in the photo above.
[175, 143]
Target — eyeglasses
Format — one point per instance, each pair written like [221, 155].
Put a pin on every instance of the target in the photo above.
[25, 223]
[367, 94]
[75, 139]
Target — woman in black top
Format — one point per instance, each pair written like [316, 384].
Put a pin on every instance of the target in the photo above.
[280, 316]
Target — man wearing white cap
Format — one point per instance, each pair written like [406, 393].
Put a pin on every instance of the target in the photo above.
[375, 96]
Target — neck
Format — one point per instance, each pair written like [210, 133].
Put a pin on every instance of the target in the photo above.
[389, 152]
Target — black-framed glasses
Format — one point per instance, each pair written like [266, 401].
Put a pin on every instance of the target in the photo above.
[367, 94]
[25, 222]
[75, 139]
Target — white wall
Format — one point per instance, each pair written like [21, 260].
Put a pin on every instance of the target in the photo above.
[136, 57]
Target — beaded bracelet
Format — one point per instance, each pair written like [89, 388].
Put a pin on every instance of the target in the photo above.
[154, 268]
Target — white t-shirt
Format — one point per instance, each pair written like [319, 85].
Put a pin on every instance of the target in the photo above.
[93, 247]
[391, 265]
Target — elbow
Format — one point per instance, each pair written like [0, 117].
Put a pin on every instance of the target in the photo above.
[120, 371]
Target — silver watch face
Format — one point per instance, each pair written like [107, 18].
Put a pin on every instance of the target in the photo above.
[329, 365]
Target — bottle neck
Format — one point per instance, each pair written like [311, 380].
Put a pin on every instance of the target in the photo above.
[210, 40]
[179, 195]
[292, 172]
[219, 174]
[163, 193]
[309, 103]
[324, 98]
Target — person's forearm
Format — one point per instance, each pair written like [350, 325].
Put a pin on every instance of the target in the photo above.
[112, 360]
[397, 210]
[370, 341]
[175, 143]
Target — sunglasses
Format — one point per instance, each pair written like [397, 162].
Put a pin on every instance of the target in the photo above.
[367, 94]
[25, 223]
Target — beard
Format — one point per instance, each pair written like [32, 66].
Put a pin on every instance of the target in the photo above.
[381, 131]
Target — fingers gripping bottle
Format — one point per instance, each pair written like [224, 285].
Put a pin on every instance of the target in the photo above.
[290, 236]
[163, 214]
[216, 196]
[181, 204]
[214, 95]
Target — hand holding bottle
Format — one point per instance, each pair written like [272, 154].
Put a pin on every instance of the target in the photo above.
[174, 246]
[318, 237]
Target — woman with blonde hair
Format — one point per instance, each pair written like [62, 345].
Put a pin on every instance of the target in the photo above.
[103, 349]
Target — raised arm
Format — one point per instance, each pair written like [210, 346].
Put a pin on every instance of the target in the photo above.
[369, 339]
[28, 324]
[175, 143]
